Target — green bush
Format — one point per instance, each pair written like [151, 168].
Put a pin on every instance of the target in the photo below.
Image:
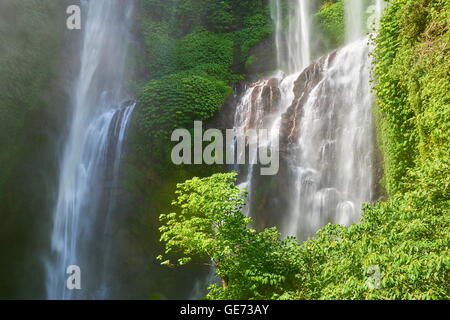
[256, 28]
[181, 15]
[176, 101]
[331, 21]
[412, 87]
[204, 47]
[220, 16]
[208, 224]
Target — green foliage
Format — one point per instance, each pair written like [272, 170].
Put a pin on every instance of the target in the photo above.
[408, 245]
[331, 21]
[404, 241]
[209, 225]
[208, 47]
[161, 48]
[213, 72]
[255, 29]
[180, 15]
[176, 101]
[220, 16]
[204, 47]
[411, 68]
[219, 27]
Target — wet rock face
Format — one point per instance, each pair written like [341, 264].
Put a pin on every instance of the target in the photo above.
[268, 99]
[264, 101]
[271, 96]
[304, 85]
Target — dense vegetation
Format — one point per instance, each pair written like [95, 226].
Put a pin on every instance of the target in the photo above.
[331, 22]
[210, 225]
[400, 249]
[195, 50]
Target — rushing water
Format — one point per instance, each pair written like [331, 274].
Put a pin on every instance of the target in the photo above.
[91, 158]
[293, 42]
[332, 159]
[354, 17]
[321, 112]
[264, 102]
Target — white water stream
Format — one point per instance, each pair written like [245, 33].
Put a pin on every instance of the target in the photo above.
[91, 157]
[327, 121]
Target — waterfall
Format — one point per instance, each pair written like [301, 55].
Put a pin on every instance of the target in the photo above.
[354, 16]
[379, 8]
[293, 44]
[322, 113]
[88, 178]
[263, 102]
[331, 156]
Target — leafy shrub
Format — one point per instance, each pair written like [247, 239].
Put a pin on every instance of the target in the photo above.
[181, 15]
[209, 224]
[220, 16]
[331, 21]
[255, 29]
[176, 101]
[413, 89]
[204, 47]
[162, 54]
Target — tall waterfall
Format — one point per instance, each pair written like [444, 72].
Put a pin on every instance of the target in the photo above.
[91, 158]
[332, 154]
[293, 45]
[354, 20]
[380, 5]
[321, 112]
[264, 102]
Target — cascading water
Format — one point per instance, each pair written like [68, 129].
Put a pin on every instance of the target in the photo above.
[90, 163]
[332, 154]
[293, 45]
[263, 102]
[321, 112]
[379, 8]
[354, 11]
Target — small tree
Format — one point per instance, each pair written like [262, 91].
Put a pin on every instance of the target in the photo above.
[209, 224]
